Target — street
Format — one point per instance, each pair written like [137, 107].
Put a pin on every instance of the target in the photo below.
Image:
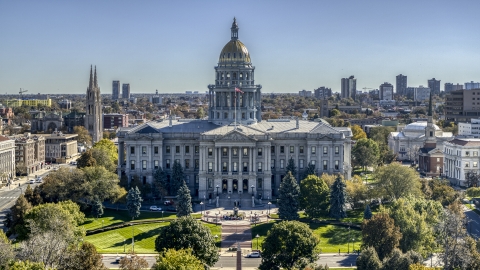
[473, 226]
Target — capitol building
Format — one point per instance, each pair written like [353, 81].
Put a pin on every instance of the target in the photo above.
[233, 153]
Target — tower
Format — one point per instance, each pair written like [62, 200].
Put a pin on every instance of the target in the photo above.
[401, 85]
[234, 96]
[115, 90]
[431, 140]
[94, 114]
[349, 87]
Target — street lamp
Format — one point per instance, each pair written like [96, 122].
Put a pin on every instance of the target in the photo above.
[201, 205]
[162, 214]
[255, 220]
[269, 203]
[353, 241]
[217, 189]
[348, 252]
[123, 245]
[133, 240]
[257, 236]
[252, 190]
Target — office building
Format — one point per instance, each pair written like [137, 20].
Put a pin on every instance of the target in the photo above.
[59, 147]
[115, 120]
[471, 129]
[401, 86]
[7, 159]
[386, 91]
[349, 87]
[115, 90]
[323, 92]
[29, 153]
[462, 105]
[449, 87]
[472, 85]
[461, 158]
[421, 93]
[126, 91]
[305, 93]
[434, 86]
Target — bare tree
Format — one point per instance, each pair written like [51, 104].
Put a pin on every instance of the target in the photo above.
[133, 262]
[472, 179]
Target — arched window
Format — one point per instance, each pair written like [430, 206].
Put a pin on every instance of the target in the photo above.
[225, 115]
[223, 75]
[228, 75]
[241, 75]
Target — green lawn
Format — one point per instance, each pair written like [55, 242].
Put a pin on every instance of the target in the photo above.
[112, 241]
[353, 216]
[144, 236]
[111, 217]
[332, 238]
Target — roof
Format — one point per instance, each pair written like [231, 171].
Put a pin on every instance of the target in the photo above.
[466, 142]
[3, 138]
[419, 126]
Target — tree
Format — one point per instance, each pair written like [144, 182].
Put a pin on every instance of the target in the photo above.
[160, 184]
[288, 199]
[401, 261]
[368, 260]
[83, 135]
[289, 245]
[20, 169]
[395, 181]
[109, 147]
[365, 153]
[337, 199]
[356, 192]
[472, 179]
[177, 177]
[367, 214]
[6, 251]
[102, 158]
[17, 215]
[26, 265]
[181, 259]
[86, 257]
[381, 233]
[86, 160]
[184, 205]
[200, 113]
[314, 196]
[358, 133]
[309, 171]
[97, 209]
[33, 196]
[134, 202]
[133, 262]
[186, 232]
[291, 167]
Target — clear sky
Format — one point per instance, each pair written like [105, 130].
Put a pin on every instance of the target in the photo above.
[173, 46]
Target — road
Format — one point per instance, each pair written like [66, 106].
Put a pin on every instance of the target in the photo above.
[225, 262]
[473, 226]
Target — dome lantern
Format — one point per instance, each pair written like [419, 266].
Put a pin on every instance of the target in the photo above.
[234, 29]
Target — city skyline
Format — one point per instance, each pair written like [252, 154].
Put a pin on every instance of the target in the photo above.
[48, 46]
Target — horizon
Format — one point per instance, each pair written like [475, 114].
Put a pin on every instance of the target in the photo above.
[48, 46]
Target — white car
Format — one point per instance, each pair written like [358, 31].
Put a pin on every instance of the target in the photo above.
[155, 208]
[31, 181]
[73, 163]
[39, 180]
[254, 254]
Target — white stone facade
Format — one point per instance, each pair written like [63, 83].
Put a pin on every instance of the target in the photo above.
[461, 157]
[7, 159]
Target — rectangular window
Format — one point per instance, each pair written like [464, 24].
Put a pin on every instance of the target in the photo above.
[144, 150]
[196, 178]
[300, 163]
[155, 150]
[167, 149]
[282, 163]
[167, 164]
[144, 164]
[177, 161]
[272, 149]
[475, 164]
[282, 149]
[155, 164]
[132, 150]
[325, 167]
[210, 151]
[292, 149]
[314, 150]
[475, 153]
[301, 149]
[337, 150]
[187, 149]
[197, 164]
[132, 165]
[312, 162]
[259, 166]
[259, 182]
[224, 167]
[197, 150]
[325, 150]
[210, 166]
[245, 166]
[187, 179]
[245, 152]
[438, 159]
[337, 166]
[225, 151]
[467, 153]
[235, 166]
[177, 149]
[467, 164]
[210, 183]
[259, 151]
[235, 151]
[187, 163]
[272, 164]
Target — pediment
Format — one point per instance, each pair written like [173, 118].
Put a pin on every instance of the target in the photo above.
[146, 130]
[235, 136]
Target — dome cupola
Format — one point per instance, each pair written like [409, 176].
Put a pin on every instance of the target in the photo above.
[234, 52]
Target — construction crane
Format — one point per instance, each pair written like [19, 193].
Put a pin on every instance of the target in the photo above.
[365, 88]
[21, 92]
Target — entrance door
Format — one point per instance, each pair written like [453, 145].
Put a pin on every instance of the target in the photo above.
[224, 185]
[245, 186]
[235, 185]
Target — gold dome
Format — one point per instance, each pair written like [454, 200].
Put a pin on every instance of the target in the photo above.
[234, 51]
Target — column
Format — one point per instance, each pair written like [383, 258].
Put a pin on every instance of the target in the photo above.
[216, 159]
[229, 160]
[240, 163]
[250, 159]
[319, 163]
[254, 157]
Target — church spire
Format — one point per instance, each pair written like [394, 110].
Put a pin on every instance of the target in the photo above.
[90, 83]
[430, 104]
[95, 78]
[234, 29]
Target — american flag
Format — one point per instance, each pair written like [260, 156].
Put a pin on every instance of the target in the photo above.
[238, 90]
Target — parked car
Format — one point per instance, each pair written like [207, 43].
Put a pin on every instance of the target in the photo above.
[73, 163]
[31, 181]
[167, 203]
[254, 254]
[155, 208]
[39, 180]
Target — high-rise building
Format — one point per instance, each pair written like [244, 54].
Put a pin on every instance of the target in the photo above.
[305, 93]
[421, 93]
[472, 85]
[434, 86]
[115, 90]
[323, 92]
[126, 91]
[349, 87]
[401, 85]
[386, 91]
[94, 114]
[449, 87]
[462, 105]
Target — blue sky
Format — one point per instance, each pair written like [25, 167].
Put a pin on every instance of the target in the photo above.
[173, 46]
